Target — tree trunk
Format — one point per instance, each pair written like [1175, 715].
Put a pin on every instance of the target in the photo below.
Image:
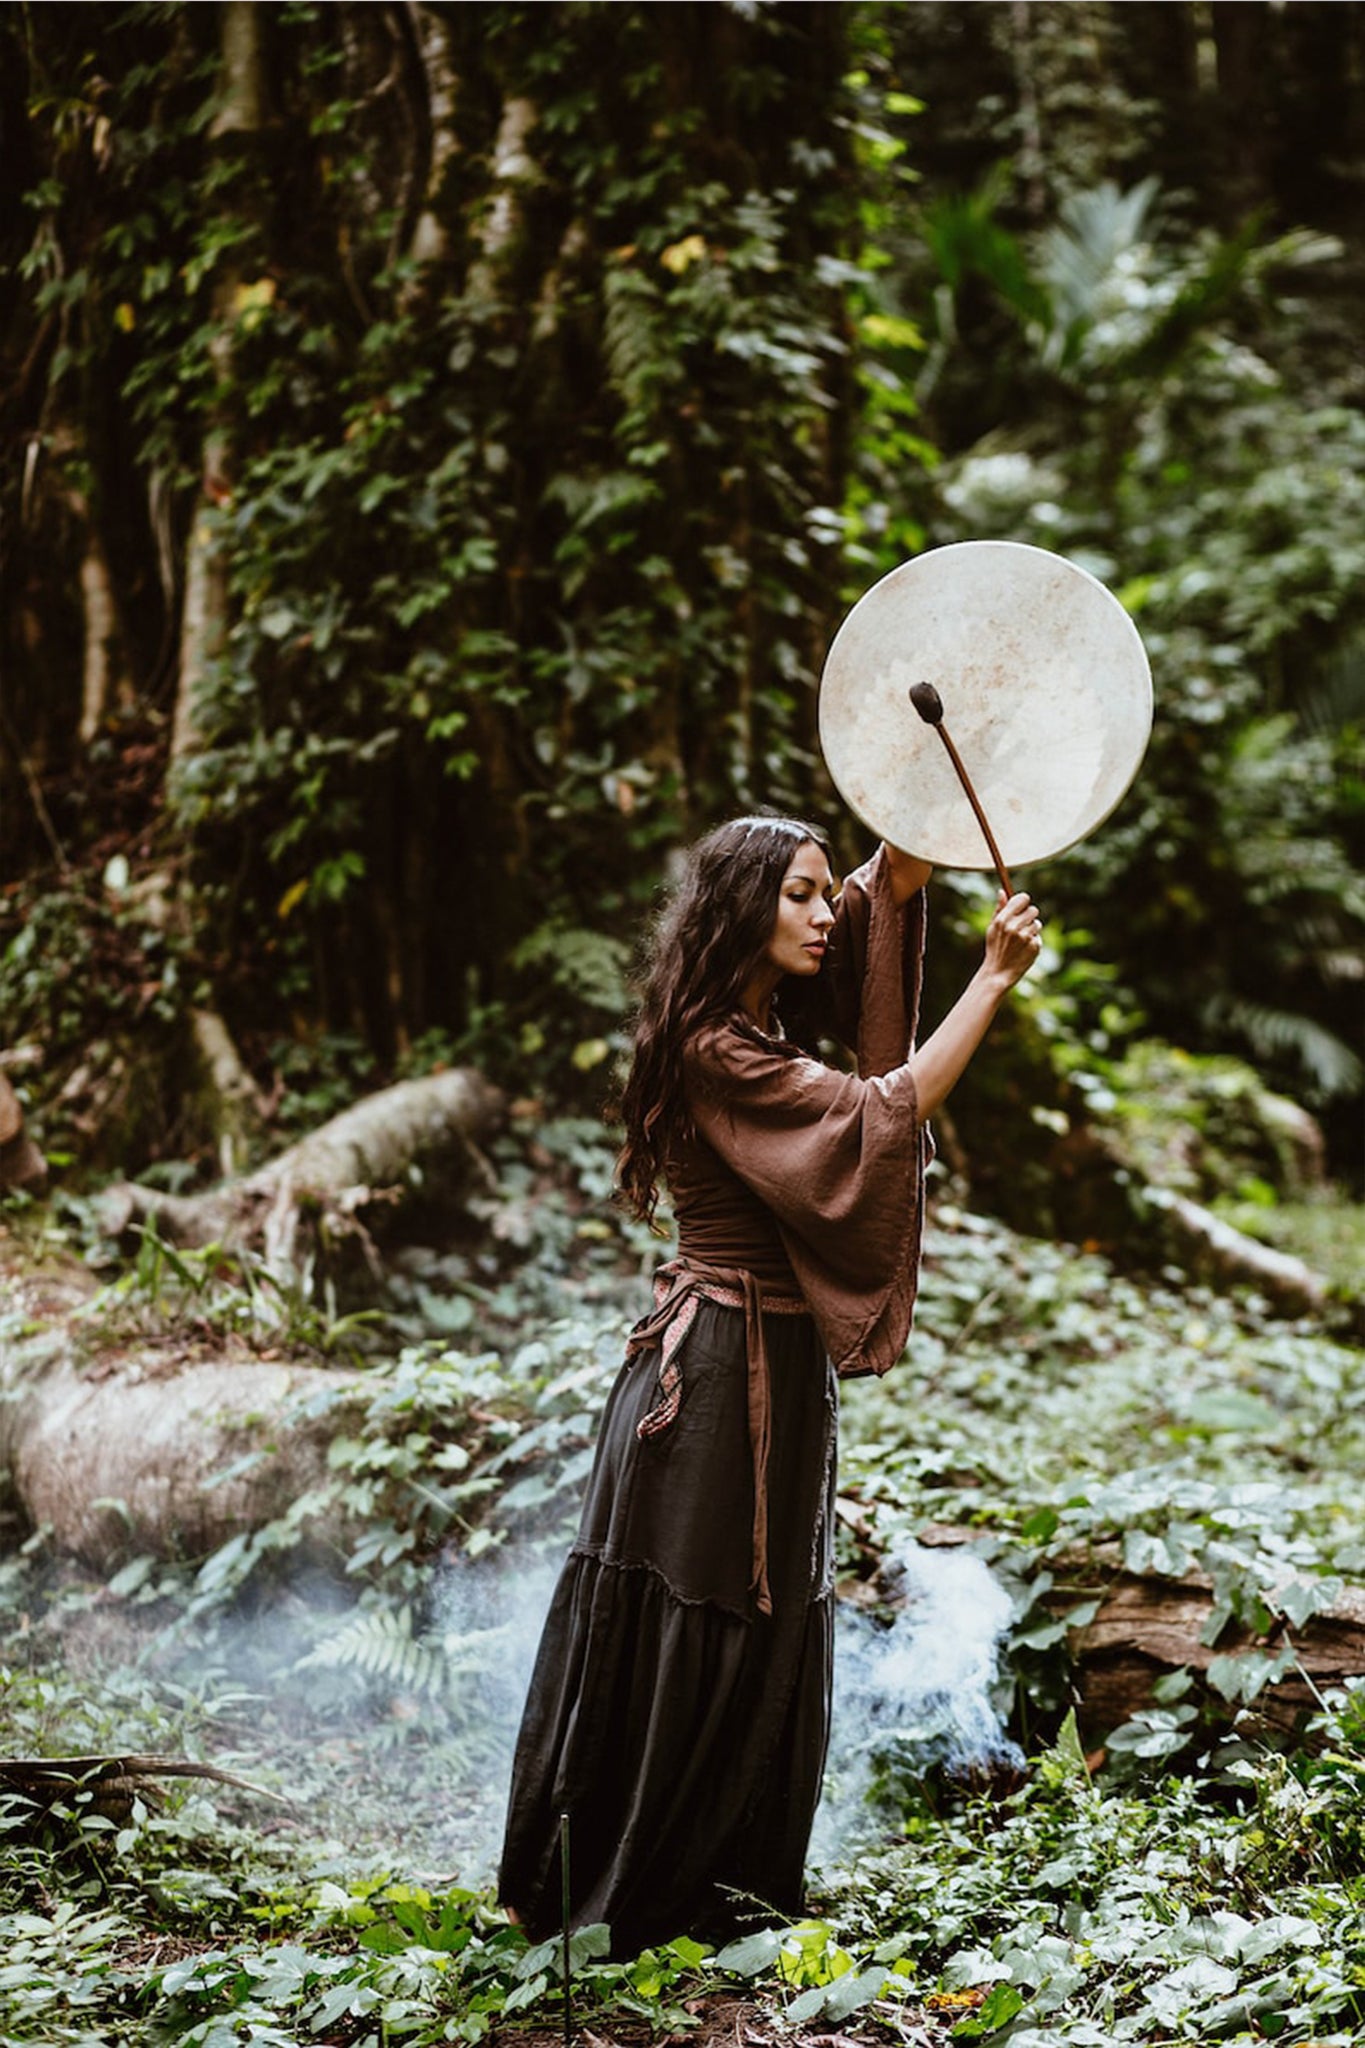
[235, 1105]
[97, 602]
[204, 623]
[1240, 34]
[429, 247]
[418, 1133]
[514, 171]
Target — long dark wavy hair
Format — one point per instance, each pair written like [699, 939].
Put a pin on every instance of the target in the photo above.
[703, 948]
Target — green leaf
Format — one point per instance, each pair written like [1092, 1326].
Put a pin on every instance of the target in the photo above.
[1229, 1409]
[1245, 1677]
[1003, 2003]
[526, 1993]
[751, 1954]
[1065, 1761]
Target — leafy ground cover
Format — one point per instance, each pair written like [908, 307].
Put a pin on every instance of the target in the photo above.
[1189, 1877]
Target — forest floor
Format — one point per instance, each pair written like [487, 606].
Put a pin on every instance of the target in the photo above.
[1190, 1873]
[720, 2020]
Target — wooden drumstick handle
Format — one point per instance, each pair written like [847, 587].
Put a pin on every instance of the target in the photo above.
[929, 705]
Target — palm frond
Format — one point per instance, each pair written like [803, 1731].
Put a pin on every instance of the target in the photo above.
[1078, 256]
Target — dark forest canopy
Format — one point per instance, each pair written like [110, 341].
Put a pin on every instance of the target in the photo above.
[438, 442]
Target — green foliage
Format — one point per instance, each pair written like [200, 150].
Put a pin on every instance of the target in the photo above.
[528, 471]
[1224, 504]
[1138, 1917]
[93, 977]
[1108, 371]
[1206, 1127]
[498, 487]
[1080, 1423]
[531, 552]
[522, 523]
[219, 1293]
[1074, 1420]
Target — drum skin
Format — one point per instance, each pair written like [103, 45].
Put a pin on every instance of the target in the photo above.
[1046, 691]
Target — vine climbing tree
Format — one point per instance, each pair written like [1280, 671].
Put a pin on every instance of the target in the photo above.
[437, 444]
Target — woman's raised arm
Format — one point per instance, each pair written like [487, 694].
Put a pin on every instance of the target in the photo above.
[908, 875]
[1012, 945]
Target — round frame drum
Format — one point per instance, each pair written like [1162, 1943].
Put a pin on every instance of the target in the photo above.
[1046, 692]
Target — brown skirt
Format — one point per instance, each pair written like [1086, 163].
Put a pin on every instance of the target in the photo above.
[682, 1731]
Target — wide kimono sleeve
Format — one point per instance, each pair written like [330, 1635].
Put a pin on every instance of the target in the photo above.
[839, 1161]
[869, 992]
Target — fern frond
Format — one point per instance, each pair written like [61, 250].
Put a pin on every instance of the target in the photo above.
[382, 1643]
[379, 1642]
[1330, 1063]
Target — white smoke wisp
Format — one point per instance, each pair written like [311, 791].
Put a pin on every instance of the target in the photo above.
[391, 1727]
[916, 1694]
[489, 1622]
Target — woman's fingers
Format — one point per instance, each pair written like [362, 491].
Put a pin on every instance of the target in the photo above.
[1016, 936]
[1020, 913]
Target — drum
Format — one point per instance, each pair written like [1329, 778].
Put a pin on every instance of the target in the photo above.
[1045, 689]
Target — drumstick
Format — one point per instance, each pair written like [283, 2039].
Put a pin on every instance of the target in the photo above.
[929, 705]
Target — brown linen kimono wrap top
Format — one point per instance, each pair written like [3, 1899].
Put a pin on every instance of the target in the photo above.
[801, 1173]
[679, 1707]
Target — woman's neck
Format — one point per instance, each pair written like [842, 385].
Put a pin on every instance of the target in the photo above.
[756, 997]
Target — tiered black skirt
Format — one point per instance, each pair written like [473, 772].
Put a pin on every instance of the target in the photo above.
[682, 1731]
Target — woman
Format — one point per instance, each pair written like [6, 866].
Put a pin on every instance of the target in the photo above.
[679, 1709]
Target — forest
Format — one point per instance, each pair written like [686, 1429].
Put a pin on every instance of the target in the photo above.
[438, 446]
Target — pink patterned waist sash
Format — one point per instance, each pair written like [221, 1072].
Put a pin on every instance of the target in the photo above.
[678, 1287]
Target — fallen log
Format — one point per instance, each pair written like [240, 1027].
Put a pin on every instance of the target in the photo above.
[145, 1450]
[132, 1459]
[168, 1447]
[1098, 1193]
[416, 1137]
[1148, 1627]
[1211, 1249]
[108, 1785]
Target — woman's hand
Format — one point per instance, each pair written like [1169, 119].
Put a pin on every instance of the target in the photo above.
[1013, 943]
[1014, 940]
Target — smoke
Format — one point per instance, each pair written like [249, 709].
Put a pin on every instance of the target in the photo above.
[391, 1727]
[914, 1695]
[489, 1620]
[396, 1731]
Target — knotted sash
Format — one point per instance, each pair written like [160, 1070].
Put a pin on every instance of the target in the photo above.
[678, 1287]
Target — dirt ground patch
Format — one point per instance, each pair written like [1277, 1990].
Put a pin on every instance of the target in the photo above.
[722, 2020]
